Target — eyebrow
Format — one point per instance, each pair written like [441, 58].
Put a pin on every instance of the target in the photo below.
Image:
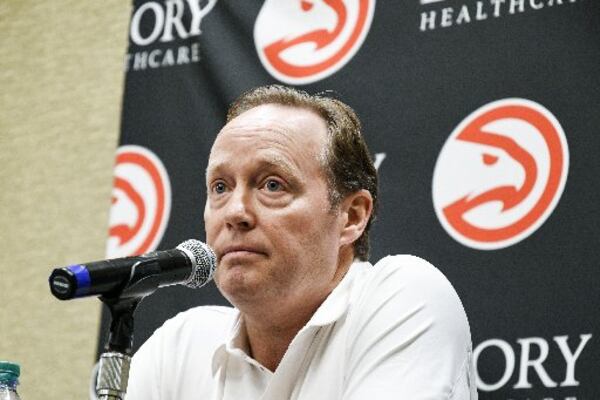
[277, 162]
[264, 162]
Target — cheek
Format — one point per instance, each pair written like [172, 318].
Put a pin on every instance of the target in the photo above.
[210, 226]
[305, 232]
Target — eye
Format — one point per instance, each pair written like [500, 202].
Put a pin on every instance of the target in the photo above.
[219, 187]
[273, 185]
[489, 159]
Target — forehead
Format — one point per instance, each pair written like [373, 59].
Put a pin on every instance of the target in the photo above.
[272, 131]
[303, 122]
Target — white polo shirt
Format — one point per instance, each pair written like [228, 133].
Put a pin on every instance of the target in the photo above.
[396, 330]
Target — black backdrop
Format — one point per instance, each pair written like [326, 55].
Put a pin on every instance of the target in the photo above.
[417, 70]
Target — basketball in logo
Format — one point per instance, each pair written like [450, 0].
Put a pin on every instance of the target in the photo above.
[141, 202]
[500, 174]
[303, 41]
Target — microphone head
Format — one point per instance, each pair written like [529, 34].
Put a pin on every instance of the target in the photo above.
[204, 260]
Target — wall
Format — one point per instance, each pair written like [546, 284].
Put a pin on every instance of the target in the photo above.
[61, 81]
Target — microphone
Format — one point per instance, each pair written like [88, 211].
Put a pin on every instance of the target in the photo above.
[192, 264]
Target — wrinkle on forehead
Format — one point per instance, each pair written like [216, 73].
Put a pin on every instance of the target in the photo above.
[277, 137]
[257, 126]
[283, 141]
[282, 135]
[282, 119]
[262, 160]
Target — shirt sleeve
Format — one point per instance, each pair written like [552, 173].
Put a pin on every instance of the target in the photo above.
[410, 336]
[175, 362]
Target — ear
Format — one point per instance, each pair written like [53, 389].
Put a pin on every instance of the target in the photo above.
[356, 208]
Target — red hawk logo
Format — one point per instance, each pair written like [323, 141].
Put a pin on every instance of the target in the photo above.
[303, 41]
[500, 174]
[141, 202]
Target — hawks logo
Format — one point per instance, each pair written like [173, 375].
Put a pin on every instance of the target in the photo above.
[141, 202]
[500, 174]
[303, 41]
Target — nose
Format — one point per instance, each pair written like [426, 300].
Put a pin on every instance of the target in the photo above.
[239, 210]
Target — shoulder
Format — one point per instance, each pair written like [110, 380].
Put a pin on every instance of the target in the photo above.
[405, 267]
[407, 324]
[408, 288]
[401, 272]
[203, 319]
[179, 353]
[179, 335]
[411, 274]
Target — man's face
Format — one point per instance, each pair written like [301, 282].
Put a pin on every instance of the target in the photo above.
[267, 213]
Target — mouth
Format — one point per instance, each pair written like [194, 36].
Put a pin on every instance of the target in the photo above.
[240, 252]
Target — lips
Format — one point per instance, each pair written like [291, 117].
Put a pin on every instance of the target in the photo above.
[240, 251]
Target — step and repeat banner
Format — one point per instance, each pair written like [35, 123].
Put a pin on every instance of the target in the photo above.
[483, 117]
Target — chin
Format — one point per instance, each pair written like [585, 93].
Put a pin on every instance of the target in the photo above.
[236, 285]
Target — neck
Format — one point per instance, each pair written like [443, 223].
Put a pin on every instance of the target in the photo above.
[268, 342]
[270, 330]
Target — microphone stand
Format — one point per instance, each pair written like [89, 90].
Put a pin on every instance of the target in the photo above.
[113, 373]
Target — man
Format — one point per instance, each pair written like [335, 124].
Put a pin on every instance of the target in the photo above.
[291, 193]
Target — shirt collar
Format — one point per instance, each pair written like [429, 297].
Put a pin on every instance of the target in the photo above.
[234, 342]
[338, 301]
[332, 309]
